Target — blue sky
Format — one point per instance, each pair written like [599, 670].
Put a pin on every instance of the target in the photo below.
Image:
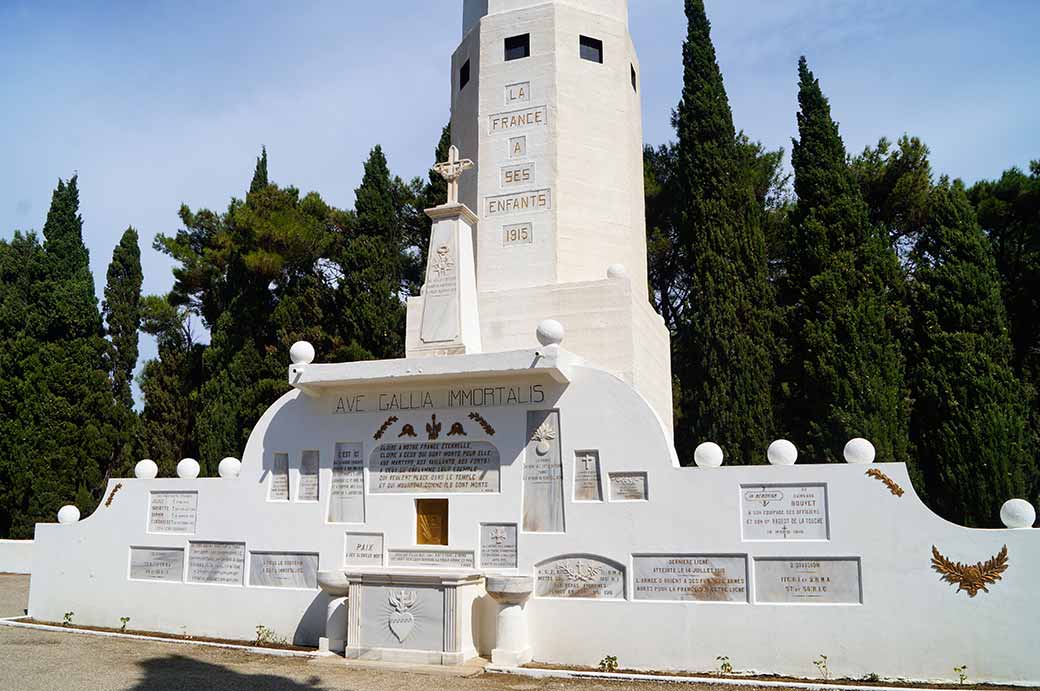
[156, 103]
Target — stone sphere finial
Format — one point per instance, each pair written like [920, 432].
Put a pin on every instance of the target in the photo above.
[550, 332]
[229, 467]
[617, 271]
[782, 452]
[68, 514]
[301, 353]
[859, 452]
[708, 455]
[146, 469]
[1018, 513]
[188, 469]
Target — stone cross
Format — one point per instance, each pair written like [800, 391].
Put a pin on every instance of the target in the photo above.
[451, 170]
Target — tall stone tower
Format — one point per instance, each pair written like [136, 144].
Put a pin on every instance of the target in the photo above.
[545, 100]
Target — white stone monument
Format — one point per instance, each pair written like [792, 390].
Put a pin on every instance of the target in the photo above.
[545, 99]
[510, 489]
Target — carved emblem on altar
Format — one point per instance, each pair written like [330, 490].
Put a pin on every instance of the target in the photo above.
[543, 435]
[442, 262]
[402, 620]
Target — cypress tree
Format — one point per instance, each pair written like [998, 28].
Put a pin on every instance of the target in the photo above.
[122, 313]
[845, 377]
[72, 302]
[260, 173]
[723, 354]
[970, 415]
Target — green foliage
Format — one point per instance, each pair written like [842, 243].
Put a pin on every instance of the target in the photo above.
[122, 313]
[844, 376]
[1009, 212]
[608, 664]
[60, 427]
[970, 417]
[260, 174]
[722, 341]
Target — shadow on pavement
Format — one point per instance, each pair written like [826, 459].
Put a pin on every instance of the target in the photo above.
[180, 673]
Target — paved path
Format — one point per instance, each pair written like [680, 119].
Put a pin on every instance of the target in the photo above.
[33, 660]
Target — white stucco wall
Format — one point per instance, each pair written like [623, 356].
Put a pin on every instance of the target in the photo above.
[16, 556]
[907, 623]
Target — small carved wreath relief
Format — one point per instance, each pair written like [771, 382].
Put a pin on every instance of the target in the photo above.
[484, 424]
[384, 427]
[893, 487]
[971, 578]
[407, 431]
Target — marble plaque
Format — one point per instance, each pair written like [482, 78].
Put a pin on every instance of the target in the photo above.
[580, 577]
[628, 487]
[808, 581]
[518, 203]
[405, 618]
[173, 512]
[363, 549]
[308, 490]
[431, 559]
[587, 484]
[216, 562]
[347, 490]
[534, 116]
[156, 564]
[543, 474]
[283, 570]
[440, 320]
[784, 512]
[498, 546]
[279, 487]
[517, 234]
[455, 467]
[690, 578]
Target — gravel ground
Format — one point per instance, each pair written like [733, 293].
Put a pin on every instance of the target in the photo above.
[43, 661]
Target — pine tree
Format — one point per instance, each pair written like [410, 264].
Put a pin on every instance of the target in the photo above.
[845, 376]
[970, 417]
[723, 343]
[122, 313]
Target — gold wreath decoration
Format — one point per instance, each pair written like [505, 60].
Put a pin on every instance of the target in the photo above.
[971, 578]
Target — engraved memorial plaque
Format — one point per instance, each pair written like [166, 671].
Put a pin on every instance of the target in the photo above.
[429, 558]
[216, 562]
[580, 577]
[440, 321]
[279, 488]
[156, 564]
[587, 484]
[498, 546]
[308, 477]
[690, 578]
[784, 512]
[456, 467]
[808, 581]
[347, 490]
[173, 512]
[363, 549]
[283, 570]
[628, 487]
[543, 474]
